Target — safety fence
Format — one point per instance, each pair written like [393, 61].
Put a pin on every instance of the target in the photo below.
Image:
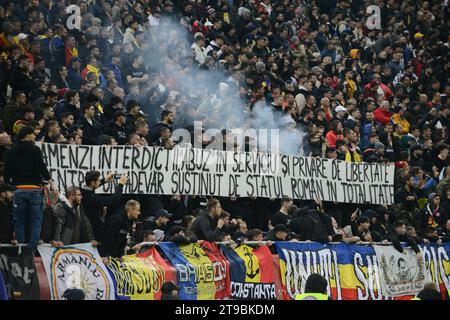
[222, 270]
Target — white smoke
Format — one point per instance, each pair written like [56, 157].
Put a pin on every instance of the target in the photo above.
[213, 96]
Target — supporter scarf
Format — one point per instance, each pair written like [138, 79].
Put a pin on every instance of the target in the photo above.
[71, 53]
[351, 87]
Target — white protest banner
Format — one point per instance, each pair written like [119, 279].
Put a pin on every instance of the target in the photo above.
[190, 171]
[400, 273]
[76, 266]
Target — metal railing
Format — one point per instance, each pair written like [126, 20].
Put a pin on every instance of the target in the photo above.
[265, 242]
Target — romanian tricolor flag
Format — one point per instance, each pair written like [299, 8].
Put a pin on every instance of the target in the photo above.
[252, 272]
[140, 276]
[221, 269]
[352, 271]
[202, 274]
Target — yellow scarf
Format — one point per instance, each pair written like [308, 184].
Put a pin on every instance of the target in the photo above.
[351, 87]
[397, 119]
[93, 69]
[226, 17]
[356, 157]
[354, 53]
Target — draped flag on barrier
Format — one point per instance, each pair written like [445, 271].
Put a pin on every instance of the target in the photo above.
[221, 269]
[252, 272]
[199, 278]
[352, 271]
[76, 266]
[400, 273]
[140, 276]
[3, 292]
[19, 274]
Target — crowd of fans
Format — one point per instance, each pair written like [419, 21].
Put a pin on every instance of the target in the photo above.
[136, 70]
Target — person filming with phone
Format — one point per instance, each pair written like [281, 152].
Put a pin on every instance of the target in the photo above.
[98, 207]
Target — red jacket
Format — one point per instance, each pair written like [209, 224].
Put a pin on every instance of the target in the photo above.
[381, 116]
[332, 137]
[369, 93]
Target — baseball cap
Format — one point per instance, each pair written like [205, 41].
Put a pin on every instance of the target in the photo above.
[432, 195]
[416, 147]
[280, 228]
[175, 229]
[340, 108]
[238, 237]
[119, 113]
[163, 213]
[379, 145]
[22, 36]
[369, 214]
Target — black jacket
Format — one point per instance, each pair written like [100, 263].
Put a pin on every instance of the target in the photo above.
[21, 81]
[66, 107]
[205, 228]
[396, 239]
[93, 205]
[155, 130]
[11, 113]
[120, 134]
[116, 229]
[24, 165]
[311, 225]
[6, 223]
[280, 218]
[90, 132]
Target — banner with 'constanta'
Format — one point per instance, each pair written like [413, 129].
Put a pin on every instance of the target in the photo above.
[252, 272]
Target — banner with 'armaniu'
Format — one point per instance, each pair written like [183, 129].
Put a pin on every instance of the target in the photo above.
[400, 273]
[207, 172]
[76, 266]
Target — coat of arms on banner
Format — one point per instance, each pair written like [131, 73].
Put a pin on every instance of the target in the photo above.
[78, 266]
[401, 273]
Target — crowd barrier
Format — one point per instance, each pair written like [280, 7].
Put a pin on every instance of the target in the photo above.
[249, 271]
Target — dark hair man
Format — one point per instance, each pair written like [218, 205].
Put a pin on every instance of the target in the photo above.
[282, 216]
[98, 206]
[315, 288]
[398, 234]
[25, 169]
[208, 226]
[166, 122]
[71, 224]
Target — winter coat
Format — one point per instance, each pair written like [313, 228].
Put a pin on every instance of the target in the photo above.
[65, 219]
